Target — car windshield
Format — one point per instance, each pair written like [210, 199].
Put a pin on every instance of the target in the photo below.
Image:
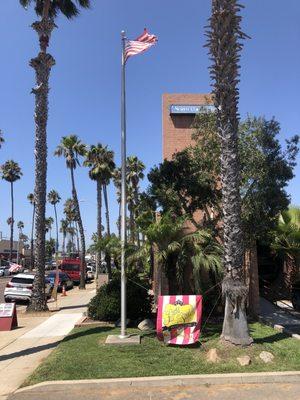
[70, 267]
[26, 281]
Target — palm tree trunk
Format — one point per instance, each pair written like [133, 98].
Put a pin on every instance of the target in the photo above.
[136, 200]
[31, 241]
[81, 231]
[224, 43]
[64, 244]
[77, 237]
[290, 273]
[42, 65]
[107, 256]
[119, 221]
[56, 224]
[131, 222]
[99, 226]
[12, 221]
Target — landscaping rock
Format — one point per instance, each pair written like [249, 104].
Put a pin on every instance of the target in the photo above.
[266, 356]
[212, 356]
[244, 360]
[146, 325]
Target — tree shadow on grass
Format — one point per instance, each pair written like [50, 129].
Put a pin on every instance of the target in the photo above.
[277, 337]
[86, 332]
[52, 345]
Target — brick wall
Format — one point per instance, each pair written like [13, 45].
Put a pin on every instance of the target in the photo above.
[176, 128]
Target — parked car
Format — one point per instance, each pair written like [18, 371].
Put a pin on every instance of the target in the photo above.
[71, 266]
[4, 268]
[63, 280]
[90, 275]
[20, 288]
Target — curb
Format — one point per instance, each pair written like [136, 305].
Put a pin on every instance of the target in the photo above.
[177, 380]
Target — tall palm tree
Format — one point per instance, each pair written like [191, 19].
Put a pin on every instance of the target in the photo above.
[1, 138]
[42, 64]
[224, 42]
[64, 230]
[11, 172]
[54, 198]
[72, 148]
[101, 163]
[135, 173]
[30, 198]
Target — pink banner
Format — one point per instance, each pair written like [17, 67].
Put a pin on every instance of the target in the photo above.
[179, 319]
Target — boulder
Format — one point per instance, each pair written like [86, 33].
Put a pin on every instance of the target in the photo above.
[146, 325]
[244, 360]
[266, 357]
[212, 356]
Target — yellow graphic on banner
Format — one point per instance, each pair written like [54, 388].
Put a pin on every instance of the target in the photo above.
[177, 314]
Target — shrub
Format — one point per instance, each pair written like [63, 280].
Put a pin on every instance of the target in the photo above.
[106, 305]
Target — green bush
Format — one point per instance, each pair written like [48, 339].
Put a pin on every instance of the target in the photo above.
[106, 305]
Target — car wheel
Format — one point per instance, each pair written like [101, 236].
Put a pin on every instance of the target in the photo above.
[7, 300]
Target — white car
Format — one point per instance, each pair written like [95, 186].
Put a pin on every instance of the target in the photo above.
[90, 273]
[20, 288]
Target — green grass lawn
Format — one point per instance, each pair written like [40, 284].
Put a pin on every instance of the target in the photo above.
[83, 355]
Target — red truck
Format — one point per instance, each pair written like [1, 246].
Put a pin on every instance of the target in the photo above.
[71, 266]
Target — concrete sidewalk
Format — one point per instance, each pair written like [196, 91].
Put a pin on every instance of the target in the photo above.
[23, 349]
[279, 319]
[247, 386]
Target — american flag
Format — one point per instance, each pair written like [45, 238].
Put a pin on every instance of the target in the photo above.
[140, 44]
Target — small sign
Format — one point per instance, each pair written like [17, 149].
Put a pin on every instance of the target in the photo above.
[191, 108]
[8, 316]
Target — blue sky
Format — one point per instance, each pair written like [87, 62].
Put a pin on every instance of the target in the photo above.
[85, 83]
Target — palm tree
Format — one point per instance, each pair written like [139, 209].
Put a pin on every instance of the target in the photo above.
[54, 198]
[135, 173]
[224, 42]
[72, 148]
[30, 197]
[101, 163]
[11, 172]
[20, 226]
[70, 212]
[42, 64]
[48, 226]
[117, 182]
[1, 138]
[64, 230]
[286, 243]
[176, 250]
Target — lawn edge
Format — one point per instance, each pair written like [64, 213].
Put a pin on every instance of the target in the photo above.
[177, 380]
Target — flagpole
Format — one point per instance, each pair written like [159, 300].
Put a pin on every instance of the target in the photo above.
[123, 334]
